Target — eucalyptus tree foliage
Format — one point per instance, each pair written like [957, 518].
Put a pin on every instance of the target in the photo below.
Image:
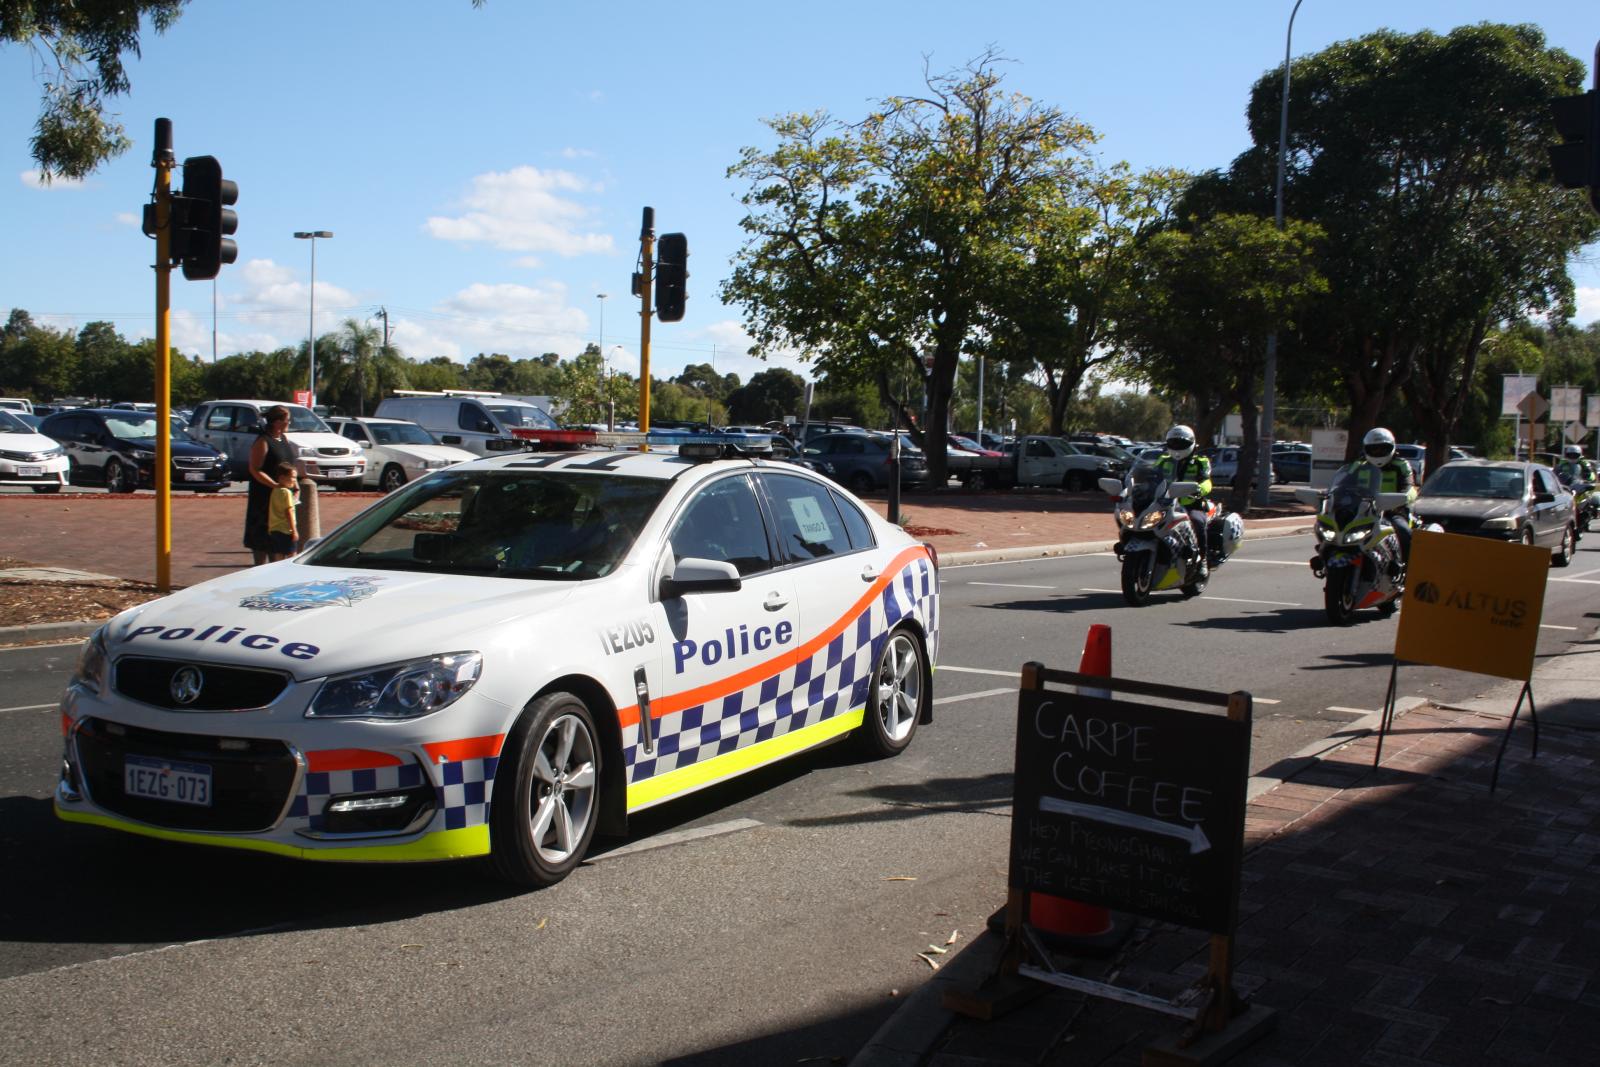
[877, 244]
[1423, 158]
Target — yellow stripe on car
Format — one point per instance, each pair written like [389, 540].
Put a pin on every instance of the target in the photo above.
[440, 845]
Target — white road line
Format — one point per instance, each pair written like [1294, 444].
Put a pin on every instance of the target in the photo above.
[1584, 574]
[1242, 600]
[29, 707]
[981, 670]
[1086, 589]
[971, 696]
[1268, 562]
[1553, 626]
[1336, 709]
[1264, 700]
[1011, 585]
[1027, 559]
[678, 837]
[1577, 581]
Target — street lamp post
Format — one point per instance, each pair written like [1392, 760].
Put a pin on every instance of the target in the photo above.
[312, 235]
[611, 400]
[1269, 378]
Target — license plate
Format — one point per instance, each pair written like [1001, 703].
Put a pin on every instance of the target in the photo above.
[30, 472]
[194, 476]
[335, 472]
[181, 783]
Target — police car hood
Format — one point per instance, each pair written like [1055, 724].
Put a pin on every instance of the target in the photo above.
[314, 621]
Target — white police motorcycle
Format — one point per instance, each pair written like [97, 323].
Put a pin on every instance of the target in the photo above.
[1156, 540]
[1358, 555]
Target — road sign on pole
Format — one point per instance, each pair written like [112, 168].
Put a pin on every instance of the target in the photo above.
[1576, 431]
[1533, 407]
[1566, 403]
[1513, 388]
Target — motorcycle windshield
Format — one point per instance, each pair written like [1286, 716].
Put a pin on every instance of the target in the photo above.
[1145, 486]
[1347, 497]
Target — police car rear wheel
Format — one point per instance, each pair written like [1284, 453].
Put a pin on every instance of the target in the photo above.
[542, 829]
[894, 696]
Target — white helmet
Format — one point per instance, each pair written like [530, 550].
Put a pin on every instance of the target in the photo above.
[1572, 452]
[1180, 442]
[1378, 446]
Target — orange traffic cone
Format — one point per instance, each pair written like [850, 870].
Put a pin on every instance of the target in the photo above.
[1059, 916]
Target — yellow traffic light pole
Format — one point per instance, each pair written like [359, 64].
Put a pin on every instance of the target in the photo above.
[164, 161]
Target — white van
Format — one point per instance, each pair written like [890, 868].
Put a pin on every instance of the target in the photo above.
[17, 403]
[231, 427]
[486, 424]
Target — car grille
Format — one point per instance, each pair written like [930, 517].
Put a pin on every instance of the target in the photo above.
[251, 779]
[149, 681]
[194, 463]
[27, 457]
[1457, 523]
[333, 451]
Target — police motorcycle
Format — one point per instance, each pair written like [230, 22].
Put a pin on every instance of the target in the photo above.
[1585, 496]
[1156, 540]
[1358, 556]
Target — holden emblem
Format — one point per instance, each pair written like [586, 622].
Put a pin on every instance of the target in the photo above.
[186, 683]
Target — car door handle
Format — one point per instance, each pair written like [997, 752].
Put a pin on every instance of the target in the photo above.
[775, 601]
[869, 573]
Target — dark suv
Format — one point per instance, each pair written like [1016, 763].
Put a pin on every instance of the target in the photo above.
[117, 448]
[860, 461]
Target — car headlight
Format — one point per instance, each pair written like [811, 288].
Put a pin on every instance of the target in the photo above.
[400, 690]
[434, 464]
[90, 671]
[1507, 523]
[141, 454]
[307, 452]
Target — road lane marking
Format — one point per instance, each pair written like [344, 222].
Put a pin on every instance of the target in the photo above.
[1011, 585]
[1086, 589]
[1584, 574]
[937, 701]
[981, 670]
[1264, 700]
[1337, 710]
[30, 707]
[1553, 626]
[678, 837]
[1242, 600]
[1027, 559]
[1577, 581]
[1269, 562]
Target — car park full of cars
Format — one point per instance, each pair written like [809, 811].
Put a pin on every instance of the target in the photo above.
[861, 461]
[506, 657]
[232, 426]
[29, 457]
[116, 448]
[1507, 501]
[397, 451]
[484, 424]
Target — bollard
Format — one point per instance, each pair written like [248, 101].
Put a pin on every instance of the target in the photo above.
[307, 518]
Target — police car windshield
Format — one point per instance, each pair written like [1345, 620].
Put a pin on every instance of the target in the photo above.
[550, 525]
[523, 416]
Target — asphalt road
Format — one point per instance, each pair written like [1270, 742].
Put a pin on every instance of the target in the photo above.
[769, 920]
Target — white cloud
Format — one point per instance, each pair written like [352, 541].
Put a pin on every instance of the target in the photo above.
[731, 354]
[525, 210]
[128, 218]
[34, 179]
[1588, 305]
[578, 153]
[519, 320]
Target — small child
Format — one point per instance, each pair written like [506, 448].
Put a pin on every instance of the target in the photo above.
[281, 531]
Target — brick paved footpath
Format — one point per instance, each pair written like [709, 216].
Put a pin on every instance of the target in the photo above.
[1393, 916]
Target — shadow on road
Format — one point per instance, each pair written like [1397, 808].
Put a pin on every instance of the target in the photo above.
[1068, 603]
[1278, 621]
[913, 800]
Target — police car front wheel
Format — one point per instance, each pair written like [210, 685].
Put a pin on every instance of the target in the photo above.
[894, 695]
[541, 826]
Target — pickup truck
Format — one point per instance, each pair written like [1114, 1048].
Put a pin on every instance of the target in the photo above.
[1034, 460]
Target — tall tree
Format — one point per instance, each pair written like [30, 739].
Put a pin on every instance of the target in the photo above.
[872, 245]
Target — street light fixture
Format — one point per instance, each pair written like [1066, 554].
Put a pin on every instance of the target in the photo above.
[601, 344]
[312, 235]
[1269, 378]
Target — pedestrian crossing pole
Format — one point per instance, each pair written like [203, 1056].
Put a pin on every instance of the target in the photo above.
[164, 162]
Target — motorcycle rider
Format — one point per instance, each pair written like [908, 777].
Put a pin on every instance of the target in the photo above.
[1382, 471]
[1181, 464]
[1574, 467]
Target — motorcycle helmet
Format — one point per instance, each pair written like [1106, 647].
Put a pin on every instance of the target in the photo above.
[1378, 446]
[1180, 442]
[1572, 452]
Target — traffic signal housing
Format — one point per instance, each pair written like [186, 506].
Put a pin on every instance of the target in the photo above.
[202, 219]
[1575, 163]
[672, 275]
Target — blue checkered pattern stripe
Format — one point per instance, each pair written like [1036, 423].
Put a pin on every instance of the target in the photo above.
[834, 680]
[461, 792]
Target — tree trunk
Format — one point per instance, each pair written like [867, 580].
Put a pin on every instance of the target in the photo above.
[1385, 368]
[1439, 387]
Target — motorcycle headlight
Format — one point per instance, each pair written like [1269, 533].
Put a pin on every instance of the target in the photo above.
[1325, 532]
[399, 690]
[1125, 516]
[1152, 520]
[90, 671]
[1357, 535]
[1507, 523]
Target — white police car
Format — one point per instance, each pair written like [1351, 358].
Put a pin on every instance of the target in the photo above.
[505, 656]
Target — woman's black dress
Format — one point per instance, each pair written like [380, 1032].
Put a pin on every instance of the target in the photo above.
[255, 505]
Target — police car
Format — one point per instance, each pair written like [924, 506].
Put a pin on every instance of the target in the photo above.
[506, 657]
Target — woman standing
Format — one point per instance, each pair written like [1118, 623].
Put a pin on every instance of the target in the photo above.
[270, 449]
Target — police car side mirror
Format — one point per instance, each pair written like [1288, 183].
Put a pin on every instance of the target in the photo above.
[693, 575]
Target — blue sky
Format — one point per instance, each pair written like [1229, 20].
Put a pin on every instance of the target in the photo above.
[483, 170]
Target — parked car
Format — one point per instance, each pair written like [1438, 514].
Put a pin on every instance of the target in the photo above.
[1508, 501]
[1291, 465]
[28, 457]
[861, 460]
[968, 444]
[231, 427]
[1417, 456]
[16, 403]
[116, 448]
[397, 451]
[484, 424]
[1225, 465]
[1036, 460]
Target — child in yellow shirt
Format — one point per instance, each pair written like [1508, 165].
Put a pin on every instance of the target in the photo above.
[281, 531]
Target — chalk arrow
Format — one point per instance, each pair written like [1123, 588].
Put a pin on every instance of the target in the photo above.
[1198, 842]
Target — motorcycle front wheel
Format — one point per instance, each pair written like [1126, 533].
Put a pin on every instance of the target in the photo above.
[1339, 597]
[1135, 580]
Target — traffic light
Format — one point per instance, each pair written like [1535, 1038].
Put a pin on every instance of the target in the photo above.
[672, 275]
[202, 219]
[1576, 161]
